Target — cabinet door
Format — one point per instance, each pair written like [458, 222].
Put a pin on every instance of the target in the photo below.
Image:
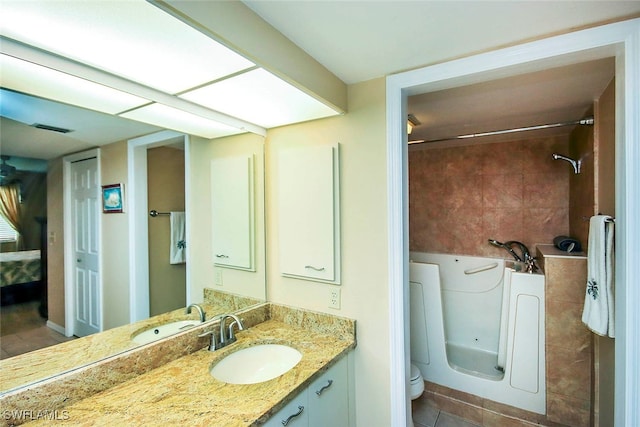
[232, 212]
[329, 397]
[295, 413]
[308, 211]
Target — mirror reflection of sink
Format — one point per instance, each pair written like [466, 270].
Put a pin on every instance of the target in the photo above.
[256, 364]
[162, 331]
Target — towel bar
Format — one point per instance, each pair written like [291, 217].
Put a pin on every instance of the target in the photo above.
[586, 218]
[154, 213]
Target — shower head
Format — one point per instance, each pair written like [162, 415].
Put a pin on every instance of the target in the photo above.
[575, 163]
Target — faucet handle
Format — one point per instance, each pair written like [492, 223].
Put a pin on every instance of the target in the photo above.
[212, 345]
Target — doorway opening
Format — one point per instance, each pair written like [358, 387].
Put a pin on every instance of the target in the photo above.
[620, 40]
[139, 210]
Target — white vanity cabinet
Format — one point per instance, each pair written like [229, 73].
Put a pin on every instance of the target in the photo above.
[309, 212]
[324, 403]
[232, 212]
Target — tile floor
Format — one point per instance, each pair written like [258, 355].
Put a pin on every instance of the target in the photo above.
[22, 329]
[425, 414]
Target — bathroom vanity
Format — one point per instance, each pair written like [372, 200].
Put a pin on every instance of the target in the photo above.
[183, 389]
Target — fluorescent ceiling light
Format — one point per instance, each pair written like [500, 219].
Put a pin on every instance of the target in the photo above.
[134, 60]
[132, 39]
[172, 118]
[26, 77]
[259, 97]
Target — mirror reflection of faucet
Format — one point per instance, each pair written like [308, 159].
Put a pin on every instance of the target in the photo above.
[199, 309]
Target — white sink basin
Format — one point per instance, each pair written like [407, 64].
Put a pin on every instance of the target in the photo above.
[163, 331]
[256, 364]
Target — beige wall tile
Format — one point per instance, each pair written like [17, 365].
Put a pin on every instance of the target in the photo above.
[564, 326]
[514, 187]
[568, 411]
[569, 372]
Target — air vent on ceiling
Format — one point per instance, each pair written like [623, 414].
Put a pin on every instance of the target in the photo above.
[51, 128]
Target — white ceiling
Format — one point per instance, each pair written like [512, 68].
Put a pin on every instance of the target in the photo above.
[361, 40]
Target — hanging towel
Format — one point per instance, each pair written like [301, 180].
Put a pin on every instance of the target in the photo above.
[598, 310]
[178, 250]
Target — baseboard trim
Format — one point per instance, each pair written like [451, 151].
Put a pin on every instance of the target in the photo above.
[56, 327]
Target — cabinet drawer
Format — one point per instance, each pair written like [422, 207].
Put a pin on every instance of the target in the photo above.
[295, 413]
[329, 398]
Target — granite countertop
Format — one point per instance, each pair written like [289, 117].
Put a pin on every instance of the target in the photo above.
[44, 363]
[48, 361]
[183, 391]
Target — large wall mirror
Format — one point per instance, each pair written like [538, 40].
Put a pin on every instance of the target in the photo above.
[158, 290]
[188, 82]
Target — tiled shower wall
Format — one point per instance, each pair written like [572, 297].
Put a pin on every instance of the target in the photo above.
[461, 196]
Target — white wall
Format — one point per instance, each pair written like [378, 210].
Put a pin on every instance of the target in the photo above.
[115, 244]
[362, 137]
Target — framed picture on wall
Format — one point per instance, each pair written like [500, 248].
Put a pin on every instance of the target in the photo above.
[113, 198]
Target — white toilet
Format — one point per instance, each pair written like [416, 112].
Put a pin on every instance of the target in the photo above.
[417, 386]
[417, 382]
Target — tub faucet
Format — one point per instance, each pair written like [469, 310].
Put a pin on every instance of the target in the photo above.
[507, 246]
[198, 308]
[525, 257]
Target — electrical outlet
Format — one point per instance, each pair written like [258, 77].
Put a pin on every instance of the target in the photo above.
[217, 279]
[334, 298]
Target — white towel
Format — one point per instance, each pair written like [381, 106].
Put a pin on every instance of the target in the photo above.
[177, 254]
[598, 310]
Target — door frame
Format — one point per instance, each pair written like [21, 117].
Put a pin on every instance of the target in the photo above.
[139, 217]
[69, 266]
[620, 40]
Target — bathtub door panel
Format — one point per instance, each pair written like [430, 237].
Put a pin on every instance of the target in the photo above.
[418, 324]
[472, 319]
[525, 362]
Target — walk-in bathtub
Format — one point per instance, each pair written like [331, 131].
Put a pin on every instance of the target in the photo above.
[477, 325]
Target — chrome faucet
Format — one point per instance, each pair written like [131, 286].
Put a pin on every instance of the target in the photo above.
[507, 246]
[524, 257]
[198, 308]
[226, 339]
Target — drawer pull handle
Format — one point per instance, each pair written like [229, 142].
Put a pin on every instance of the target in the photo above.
[319, 392]
[300, 409]
[314, 268]
[222, 256]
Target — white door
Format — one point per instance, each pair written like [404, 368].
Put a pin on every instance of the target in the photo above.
[85, 202]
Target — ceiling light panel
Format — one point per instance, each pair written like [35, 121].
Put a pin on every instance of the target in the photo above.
[181, 121]
[132, 39]
[26, 77]
[260, 97]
